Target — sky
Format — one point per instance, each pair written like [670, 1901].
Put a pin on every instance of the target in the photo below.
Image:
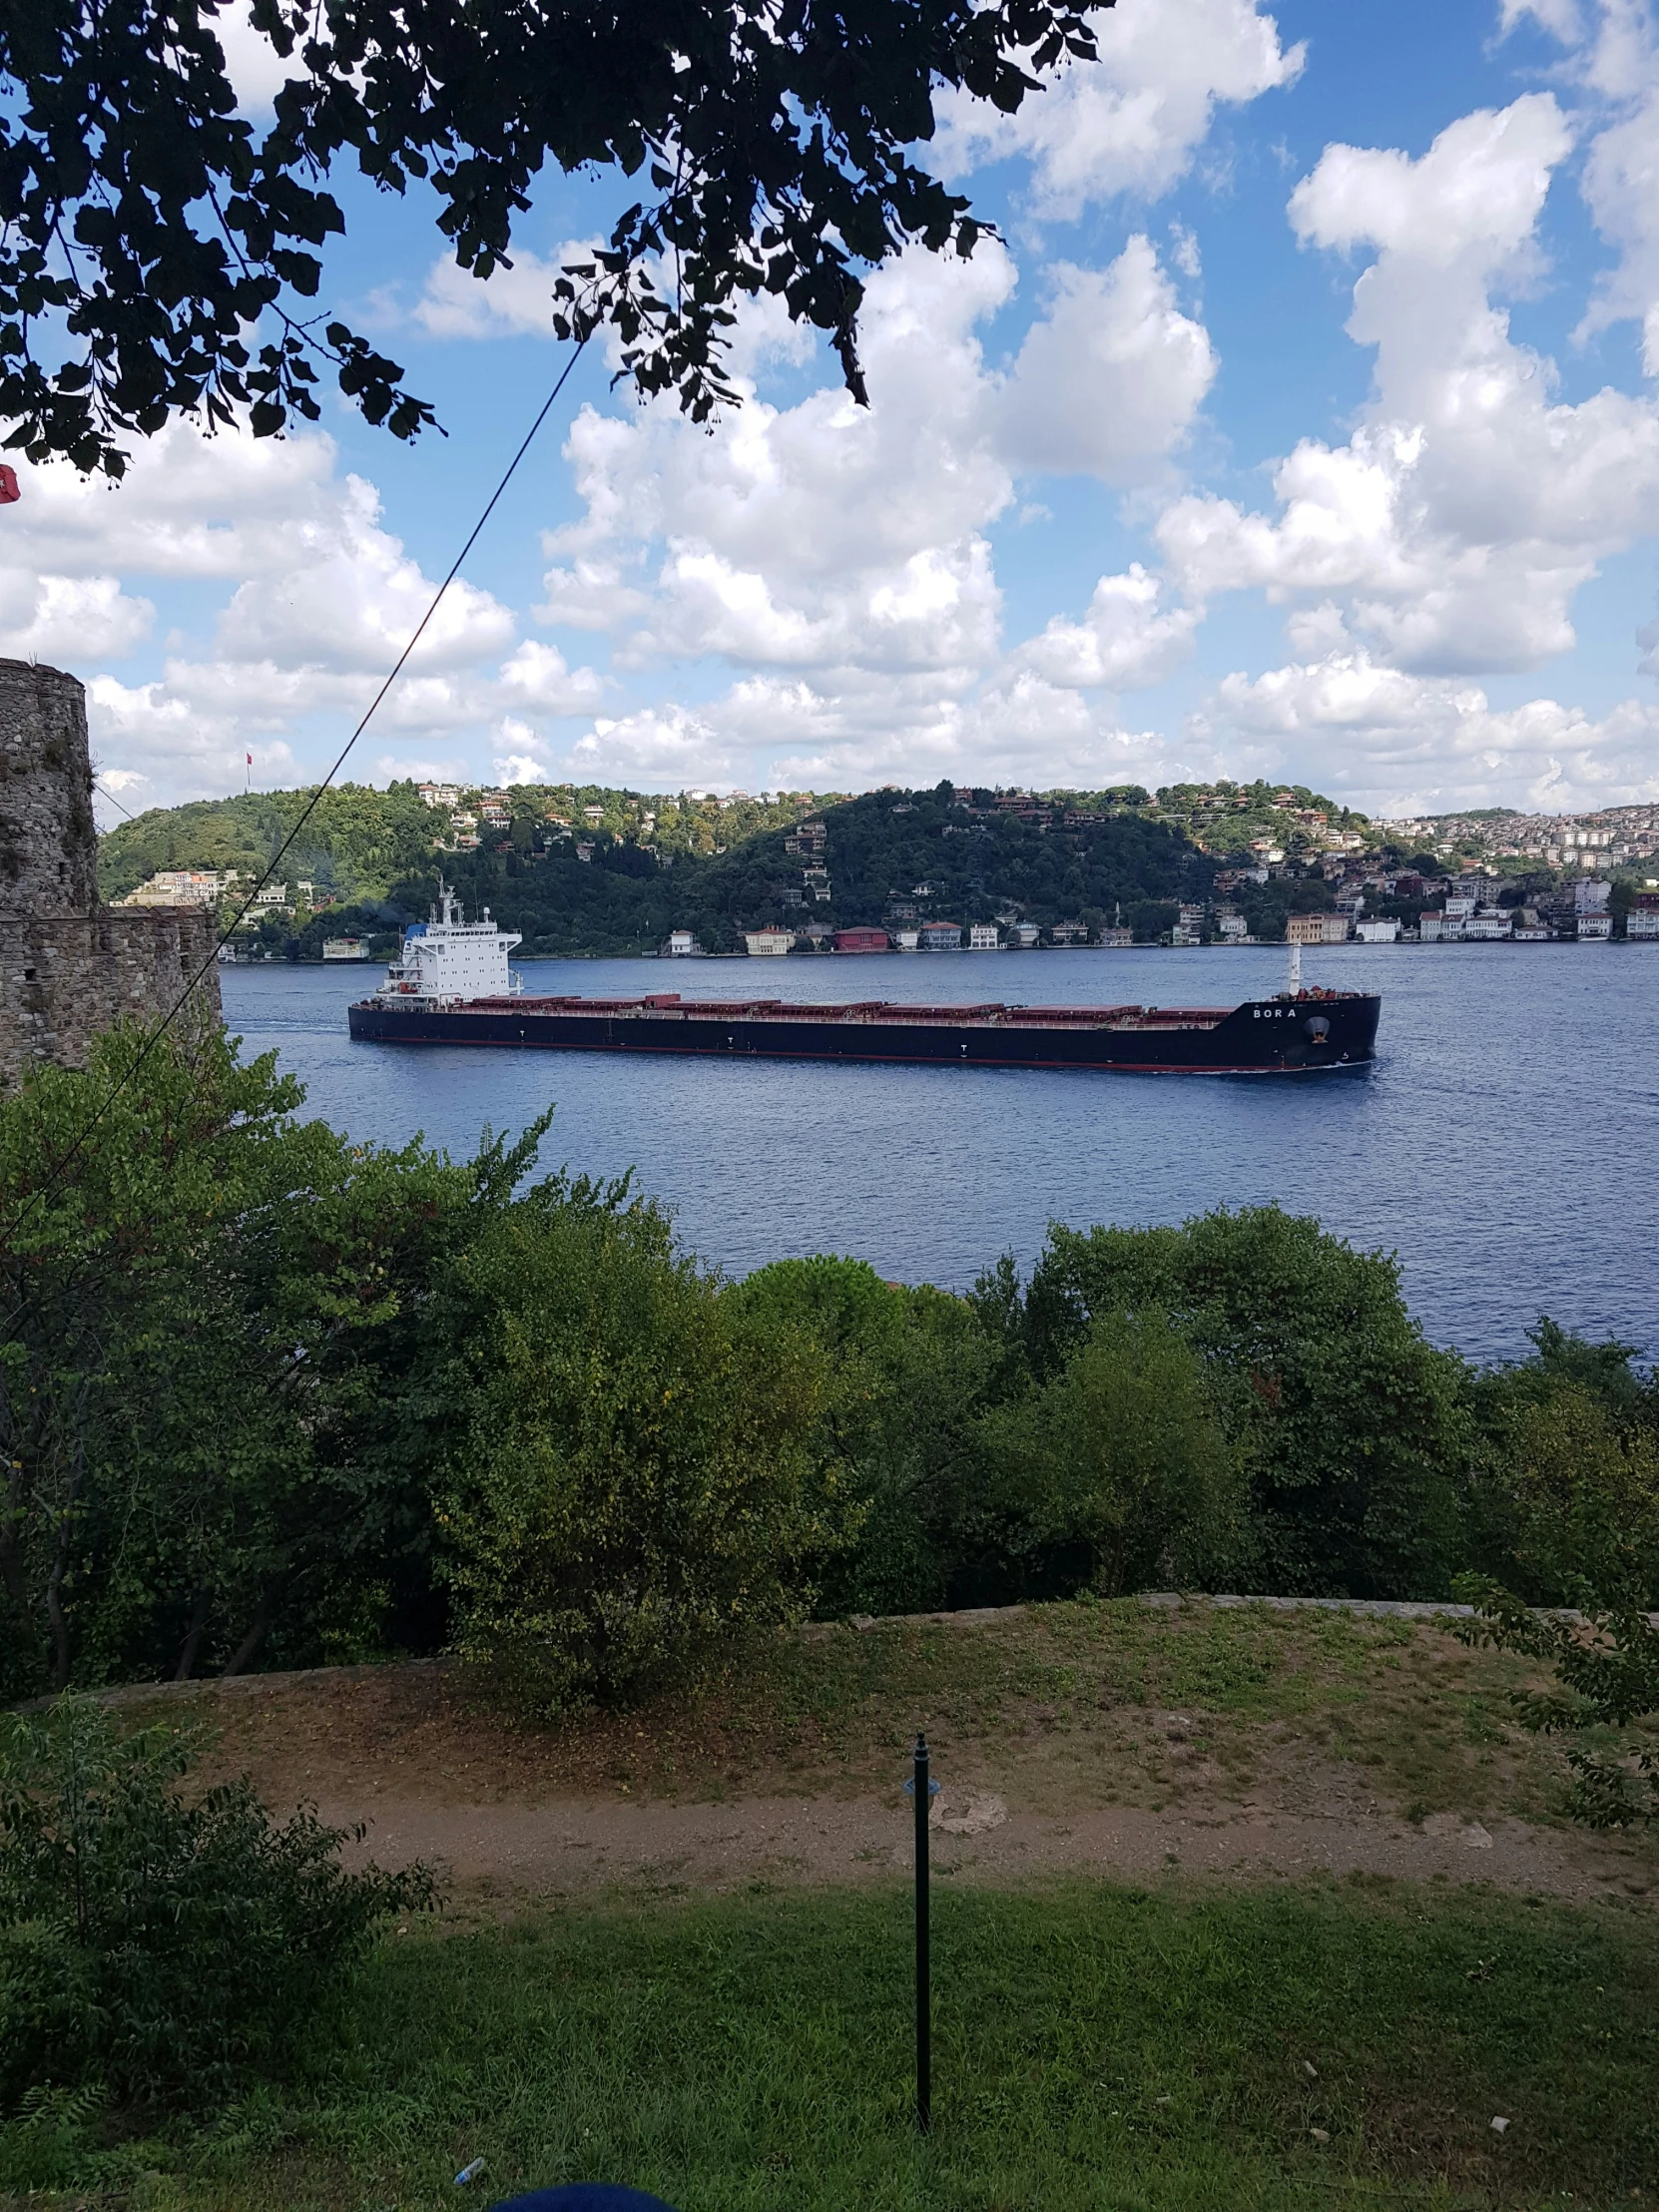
[1302, 421]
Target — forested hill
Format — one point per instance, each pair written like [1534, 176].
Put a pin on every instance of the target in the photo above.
[601, 871]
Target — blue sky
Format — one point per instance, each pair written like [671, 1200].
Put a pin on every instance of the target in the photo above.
[1303, 425]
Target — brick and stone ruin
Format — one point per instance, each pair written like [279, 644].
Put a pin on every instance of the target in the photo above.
[69, 966]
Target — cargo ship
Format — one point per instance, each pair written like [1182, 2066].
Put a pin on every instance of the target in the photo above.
[451, 984]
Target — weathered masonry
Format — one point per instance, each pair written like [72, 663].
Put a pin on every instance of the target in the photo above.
[70, 968]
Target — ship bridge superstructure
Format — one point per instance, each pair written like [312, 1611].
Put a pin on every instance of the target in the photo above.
[447, 960]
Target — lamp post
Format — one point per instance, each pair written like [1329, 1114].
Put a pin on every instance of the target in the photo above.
[924, 1790]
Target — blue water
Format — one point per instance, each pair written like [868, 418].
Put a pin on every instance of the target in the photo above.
[1503, 1144]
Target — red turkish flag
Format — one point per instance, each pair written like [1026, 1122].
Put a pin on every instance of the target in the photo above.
[8, 485]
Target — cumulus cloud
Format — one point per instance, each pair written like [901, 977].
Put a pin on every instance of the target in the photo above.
[1123, 643]
[257, 70]
[510, 302]
[667, 746]
[1470, 505]
[1132, 122]
[321, 600]
[817, 536]
[850, 543]
[1110, 380]
[68, 618]
[1427, 743]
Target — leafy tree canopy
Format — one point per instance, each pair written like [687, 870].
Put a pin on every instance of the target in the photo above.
[156, 252]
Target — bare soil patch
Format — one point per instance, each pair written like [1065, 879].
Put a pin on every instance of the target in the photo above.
[1124, 1738]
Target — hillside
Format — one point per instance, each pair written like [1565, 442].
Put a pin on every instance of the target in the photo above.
[597, 869]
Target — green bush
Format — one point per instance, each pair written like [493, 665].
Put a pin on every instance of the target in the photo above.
[1355, 1429]
[908, 1375]
[638, 1487]
[1120, 1460]
[152, 1943]
[207, 1307]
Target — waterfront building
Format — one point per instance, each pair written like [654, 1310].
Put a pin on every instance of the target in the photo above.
[1593, 928]
[769, 944]
[1490, 924]
[345, 948]
[984, 936]
[182, 886]
[681, 946]
[1377, 933]
[1119, 937]
[1316, 929]
[942, 936]
[861, 940]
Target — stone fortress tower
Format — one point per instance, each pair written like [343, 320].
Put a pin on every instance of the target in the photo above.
[70, 968]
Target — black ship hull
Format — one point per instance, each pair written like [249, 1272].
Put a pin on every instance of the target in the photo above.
[1308, 1033]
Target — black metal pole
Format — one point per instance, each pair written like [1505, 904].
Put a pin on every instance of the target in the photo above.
[925, 1996]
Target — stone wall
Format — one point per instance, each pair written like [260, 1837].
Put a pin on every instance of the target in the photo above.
[70, 968]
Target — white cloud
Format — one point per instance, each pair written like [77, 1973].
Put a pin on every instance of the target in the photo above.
[668, 748]
[849, 543]
[510, 302]
[257, 70]
[1470, 507]
[189, 506]
[1413, 744]
[1472, 198]
[69, 618]
[1110, 380]
[819, 535]
[537, 678]
[1560, 18]
[324, 599]
[1123, 643]
[1132, 122]
[352, 598]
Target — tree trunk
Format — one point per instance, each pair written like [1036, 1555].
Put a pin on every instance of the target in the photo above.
[192, 1637]
[253, 1640]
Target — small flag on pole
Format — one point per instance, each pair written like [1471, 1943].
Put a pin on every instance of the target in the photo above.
[8, 485]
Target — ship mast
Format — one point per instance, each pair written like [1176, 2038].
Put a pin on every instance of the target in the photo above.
[1296, 968]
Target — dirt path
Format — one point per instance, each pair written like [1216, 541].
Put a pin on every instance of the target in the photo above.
[1241, 1744]
[574, 1844]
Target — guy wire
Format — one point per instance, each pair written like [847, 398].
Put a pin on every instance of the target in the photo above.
[56, 1172]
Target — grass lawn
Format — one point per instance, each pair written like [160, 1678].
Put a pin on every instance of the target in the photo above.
[1096, 2046]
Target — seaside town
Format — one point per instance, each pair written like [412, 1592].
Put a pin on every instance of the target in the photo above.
[1329, 876]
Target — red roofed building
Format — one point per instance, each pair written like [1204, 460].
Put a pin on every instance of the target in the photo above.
[861, 941]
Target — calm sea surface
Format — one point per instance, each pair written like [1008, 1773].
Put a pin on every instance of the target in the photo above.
[1504, 1143]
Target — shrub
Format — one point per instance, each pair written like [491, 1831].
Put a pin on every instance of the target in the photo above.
[1121, 1461]
[155, 1945]
[205, 1304]
[1356, 1430]
[638, 1486]
[907, 1376]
